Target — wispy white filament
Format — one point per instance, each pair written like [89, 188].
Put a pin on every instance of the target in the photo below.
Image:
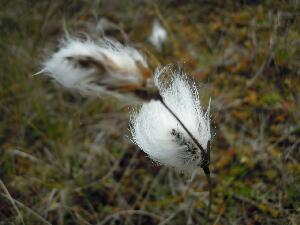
[105, 67]
[158, 35]
[160, 135]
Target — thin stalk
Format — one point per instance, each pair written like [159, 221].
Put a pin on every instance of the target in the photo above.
[207, 174]
[205, 154]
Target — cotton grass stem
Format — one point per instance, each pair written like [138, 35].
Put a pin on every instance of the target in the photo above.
[206, 154]
[208, 177]
[182, 141]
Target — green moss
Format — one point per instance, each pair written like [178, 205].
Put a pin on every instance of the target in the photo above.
[271, 99]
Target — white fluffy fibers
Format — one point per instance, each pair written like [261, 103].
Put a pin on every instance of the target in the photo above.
[158, 35]
[103, 67]
[158, 133]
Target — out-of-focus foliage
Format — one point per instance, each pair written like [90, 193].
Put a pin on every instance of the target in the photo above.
[67, 159]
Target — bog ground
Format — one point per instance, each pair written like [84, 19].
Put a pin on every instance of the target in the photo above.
[67, 159]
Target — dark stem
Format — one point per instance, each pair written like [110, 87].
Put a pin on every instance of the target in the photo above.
[183, 126]
[205, 155]
[207, 174]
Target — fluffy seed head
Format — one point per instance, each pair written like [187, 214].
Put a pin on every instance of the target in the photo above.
[160, 135]
[158, 35]
[105, 67]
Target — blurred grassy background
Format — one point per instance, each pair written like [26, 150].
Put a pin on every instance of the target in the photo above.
[66, 159]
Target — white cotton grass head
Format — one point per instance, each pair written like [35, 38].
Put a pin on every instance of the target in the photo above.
[98, 68]
[160, 135]
[158, 35]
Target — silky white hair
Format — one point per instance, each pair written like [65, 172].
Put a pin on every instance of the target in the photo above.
[155, 130]
[97, 68]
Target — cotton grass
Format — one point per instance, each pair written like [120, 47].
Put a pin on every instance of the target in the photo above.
[160, 135]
